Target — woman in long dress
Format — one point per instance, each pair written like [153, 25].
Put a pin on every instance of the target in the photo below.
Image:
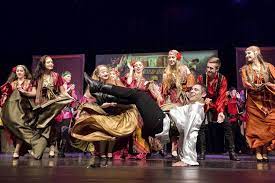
[135, 79]
[31, 120]
[51, 97]
[101, 121]
[177, 80]
[18, 87]
[64, 119]
[258, 78]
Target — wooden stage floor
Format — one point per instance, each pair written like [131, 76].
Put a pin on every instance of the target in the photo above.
[76, 168]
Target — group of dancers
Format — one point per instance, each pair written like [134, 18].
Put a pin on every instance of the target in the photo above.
[43, 110]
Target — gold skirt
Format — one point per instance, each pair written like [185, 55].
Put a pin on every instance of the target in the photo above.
[30, 123]
[95, 124]
[1, 122]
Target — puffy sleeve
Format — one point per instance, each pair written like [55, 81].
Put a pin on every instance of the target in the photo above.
[59, 80]
[6, 89]
[34, 83]
[272, 71]
[124, 80]
[200, 80]
[74, 94]
[245, 81]
[221, 100]
[5, 92]
[272, 78]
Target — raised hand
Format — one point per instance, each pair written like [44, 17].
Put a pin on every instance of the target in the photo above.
[130, 66]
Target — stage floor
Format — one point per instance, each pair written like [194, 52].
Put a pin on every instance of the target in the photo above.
[76, 168]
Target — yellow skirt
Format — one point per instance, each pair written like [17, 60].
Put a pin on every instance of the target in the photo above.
[95, 124]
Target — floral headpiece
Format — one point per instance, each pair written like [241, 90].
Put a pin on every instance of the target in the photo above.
[178, 56]
[177, 53]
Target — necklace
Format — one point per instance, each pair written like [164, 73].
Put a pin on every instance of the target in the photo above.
[20, 82]
[47, 80]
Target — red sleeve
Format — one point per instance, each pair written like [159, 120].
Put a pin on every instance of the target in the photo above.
[132, 85]
[5, 92]
[59, 81]
[221, 100]
[34, 83]
[6, 89]
[74, 95]
[123, 80]
[200, 80]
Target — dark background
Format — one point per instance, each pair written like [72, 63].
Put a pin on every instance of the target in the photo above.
[98, 27]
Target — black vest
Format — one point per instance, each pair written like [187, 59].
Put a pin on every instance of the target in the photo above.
[216, 94]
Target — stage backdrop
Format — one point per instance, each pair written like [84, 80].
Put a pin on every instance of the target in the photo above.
[268, 55]
[156, 62]
[72, 63]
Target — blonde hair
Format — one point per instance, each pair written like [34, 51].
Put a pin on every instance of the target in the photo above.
[173, 76]
[259, 56]
[214, 60]
[174, 52]
[95, 76]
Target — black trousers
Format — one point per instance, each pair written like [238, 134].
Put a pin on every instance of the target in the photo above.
[106, 147]
[59, 133]
[239, 139]
[149, 110]
[206, 129]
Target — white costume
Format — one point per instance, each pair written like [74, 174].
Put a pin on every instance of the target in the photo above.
[188, 120]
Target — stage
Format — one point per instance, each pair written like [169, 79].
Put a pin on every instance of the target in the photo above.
[77, 168]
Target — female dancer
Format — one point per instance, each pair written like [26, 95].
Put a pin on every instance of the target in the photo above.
[64, 119]
[258, 78]
[36, 116]
[19, 83]
[135, 79]
[177, 80]
[94, 123]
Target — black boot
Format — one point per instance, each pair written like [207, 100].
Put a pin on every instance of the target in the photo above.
[233, 156]
[61, 150]
[94, 86]
[201, 156]
[102, 98]
[201, 142]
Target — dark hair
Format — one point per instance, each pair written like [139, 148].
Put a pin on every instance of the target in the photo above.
[12, 77]
[65, 73]
[232, 88]
[40, 68]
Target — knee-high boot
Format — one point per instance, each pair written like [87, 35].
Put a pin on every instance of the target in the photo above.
[102, 98]
[119, 92]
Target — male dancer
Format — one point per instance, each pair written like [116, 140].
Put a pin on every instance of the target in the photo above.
[188, 118]
[216, 86]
